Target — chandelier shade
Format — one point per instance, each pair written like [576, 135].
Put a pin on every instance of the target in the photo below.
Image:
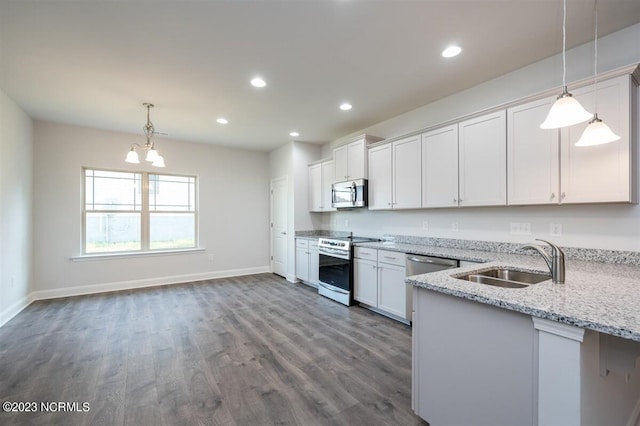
[152, 155]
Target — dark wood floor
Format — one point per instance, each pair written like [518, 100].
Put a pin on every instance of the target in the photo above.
[254, 350]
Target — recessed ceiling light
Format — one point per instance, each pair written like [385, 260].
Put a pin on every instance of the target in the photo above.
[346, 106]
[222, 120]
[294, 134]
[451, 51]
[258, 82]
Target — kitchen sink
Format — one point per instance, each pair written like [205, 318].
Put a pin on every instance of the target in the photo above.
[507, 278]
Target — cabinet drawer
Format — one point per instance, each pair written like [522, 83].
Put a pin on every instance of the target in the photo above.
[313, 244]
[392, 257]
[302, 243]
[366, 253]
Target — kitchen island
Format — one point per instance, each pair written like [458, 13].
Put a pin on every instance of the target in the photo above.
[545, 354]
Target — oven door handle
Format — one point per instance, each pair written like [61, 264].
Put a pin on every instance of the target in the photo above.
[334, 289]
[333, 253]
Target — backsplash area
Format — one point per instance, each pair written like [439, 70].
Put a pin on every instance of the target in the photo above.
[591, 255]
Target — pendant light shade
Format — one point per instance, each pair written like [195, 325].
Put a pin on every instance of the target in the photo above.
[158, 162]
[132, 156]
[152, 154]
[597, 133]
[565, 111]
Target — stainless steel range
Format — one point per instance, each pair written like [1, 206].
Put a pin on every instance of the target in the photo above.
[336, 267]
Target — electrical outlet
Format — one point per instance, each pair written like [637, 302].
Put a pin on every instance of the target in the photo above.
[13, 281]
[455, 226]
[210, 257]
[555, 229]
[520, 228]
[346, 223]
[425, 225]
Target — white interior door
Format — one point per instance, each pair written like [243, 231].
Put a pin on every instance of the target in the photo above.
[279, 226]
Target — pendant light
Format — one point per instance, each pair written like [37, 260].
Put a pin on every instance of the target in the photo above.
[597, 132]
[566, 110]
[152, 155]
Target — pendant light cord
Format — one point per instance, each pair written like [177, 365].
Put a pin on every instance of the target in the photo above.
[564, 43]
[595, 54]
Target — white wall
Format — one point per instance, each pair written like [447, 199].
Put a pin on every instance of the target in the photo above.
[601, 226]
[291, 160]
[16, 146]
[303, 154]
[233, 211]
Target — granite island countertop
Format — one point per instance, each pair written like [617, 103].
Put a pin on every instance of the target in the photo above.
[598, 296]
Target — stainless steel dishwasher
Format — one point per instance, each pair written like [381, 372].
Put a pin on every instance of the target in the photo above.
[417, 265]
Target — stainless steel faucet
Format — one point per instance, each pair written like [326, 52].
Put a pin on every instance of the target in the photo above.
[555, 262]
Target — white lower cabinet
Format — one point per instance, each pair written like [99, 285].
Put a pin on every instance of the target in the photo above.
[314, 263]
[392, 289]
[473, 364]
[366, 281]
[307, 260]
[379, 282]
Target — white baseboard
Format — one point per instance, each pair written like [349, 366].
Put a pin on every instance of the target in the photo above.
[147, 282]
[13, 310]
[292, 278]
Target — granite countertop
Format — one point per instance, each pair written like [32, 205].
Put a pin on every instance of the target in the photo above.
[603, 297]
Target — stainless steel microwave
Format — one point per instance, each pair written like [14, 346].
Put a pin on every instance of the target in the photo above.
[350, 194]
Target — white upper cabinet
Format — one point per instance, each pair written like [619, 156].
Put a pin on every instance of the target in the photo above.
[533, 162]
[320, 180]
[440, 167]
[327, 181]
[482, 148]
[315, 188]
[380, 171]
[407, 173]
[350, 160]
[395, 175]
[601, 173]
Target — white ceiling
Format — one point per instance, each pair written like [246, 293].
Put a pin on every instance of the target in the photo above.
[93, 63]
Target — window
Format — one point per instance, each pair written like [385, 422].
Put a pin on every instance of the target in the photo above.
[131, 211]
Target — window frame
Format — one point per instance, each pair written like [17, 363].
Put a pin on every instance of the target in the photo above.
[145, 213]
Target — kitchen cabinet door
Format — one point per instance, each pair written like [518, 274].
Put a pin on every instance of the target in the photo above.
[314, 263]
[601, 173]
[440, 167]
[341, 163]
[407, 173]
[350, 161]
[380, 177]
[365, 289]
[302, 261]
[392, 290]
[326, 182]
[315, 188]
[482, 151]
[533, 161]
[357, 161]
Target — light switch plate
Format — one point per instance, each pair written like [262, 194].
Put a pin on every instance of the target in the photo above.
[425, 225]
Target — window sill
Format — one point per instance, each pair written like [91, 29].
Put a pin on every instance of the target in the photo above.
[106, 256]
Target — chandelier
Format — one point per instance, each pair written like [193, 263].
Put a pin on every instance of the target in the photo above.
[152, 156]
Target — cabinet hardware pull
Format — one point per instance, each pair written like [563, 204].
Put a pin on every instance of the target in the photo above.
[562, 196]
[553, 195]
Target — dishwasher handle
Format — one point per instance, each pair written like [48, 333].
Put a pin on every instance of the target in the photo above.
[432, 260]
